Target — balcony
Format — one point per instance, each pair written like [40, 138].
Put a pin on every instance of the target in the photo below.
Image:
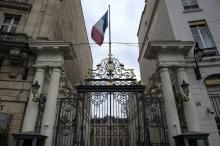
[10, 40]
[16, 4]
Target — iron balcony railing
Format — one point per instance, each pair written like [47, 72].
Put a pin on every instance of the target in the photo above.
[17, 1]
[7, 37]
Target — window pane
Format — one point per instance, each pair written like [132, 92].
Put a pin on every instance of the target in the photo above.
[7, 19]
[199, 41]
[200, 142]
[10, 23]
[16, 20]
[195, 31]
[13, 29]
[206, 38]
[184, 2]
[192, 2]
[4, 28]
[196, 36]
[202, 35]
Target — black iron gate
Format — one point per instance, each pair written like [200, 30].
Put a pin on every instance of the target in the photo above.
[110, 109]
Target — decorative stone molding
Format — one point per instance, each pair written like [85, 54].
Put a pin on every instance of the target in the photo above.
[65, 88]
[42, 47]
[24, 5]
[168, 53]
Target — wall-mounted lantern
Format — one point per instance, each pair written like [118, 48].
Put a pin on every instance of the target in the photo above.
[37, 97]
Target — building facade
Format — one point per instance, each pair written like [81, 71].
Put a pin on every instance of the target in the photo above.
[179, 41]
[39, 42]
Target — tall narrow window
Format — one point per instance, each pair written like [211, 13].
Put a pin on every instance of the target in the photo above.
[212, 83]
[202, 35]
[10, 23]
[190, 4]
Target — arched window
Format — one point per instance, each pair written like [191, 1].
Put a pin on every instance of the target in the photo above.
[212, 83]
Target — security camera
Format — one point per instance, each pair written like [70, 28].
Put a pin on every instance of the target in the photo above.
[209, 110]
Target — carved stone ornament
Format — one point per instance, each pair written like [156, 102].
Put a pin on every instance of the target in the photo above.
[65, 89]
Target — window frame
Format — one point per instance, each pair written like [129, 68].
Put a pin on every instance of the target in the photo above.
[187, 5]
[198, 25]
[11, 24]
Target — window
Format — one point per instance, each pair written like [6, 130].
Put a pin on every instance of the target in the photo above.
[190, 4]
[212, 83]
[202, 35]
[10, 23]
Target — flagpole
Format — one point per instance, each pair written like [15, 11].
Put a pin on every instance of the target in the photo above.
[110, 53]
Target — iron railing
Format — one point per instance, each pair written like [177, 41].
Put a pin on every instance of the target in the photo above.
[17, 1]
[13, 37]
[215, 100]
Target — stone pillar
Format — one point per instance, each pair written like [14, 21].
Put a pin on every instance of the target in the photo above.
[49, 115]
[32, 107]
[170, 106]
[189, 107]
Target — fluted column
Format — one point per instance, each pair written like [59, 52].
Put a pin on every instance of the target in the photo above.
[50, 106]
[32, 107]
[170, 106]
[189, 107]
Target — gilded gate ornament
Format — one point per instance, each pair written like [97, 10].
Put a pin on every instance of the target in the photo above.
[111, 68]
[112, 72]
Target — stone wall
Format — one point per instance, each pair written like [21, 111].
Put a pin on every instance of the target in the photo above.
[46, 20]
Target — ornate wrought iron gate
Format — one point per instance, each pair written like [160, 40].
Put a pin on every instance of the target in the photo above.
[110, 109]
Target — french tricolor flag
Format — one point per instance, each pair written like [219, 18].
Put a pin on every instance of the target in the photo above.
[98, 30]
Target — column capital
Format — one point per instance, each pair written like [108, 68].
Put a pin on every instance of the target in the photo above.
[44, 67]
[40, 67]
[162, 69]
[56, 69]
[180, 69]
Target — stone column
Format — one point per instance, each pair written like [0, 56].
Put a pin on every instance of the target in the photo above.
[49, 115]
[189, 107]
[170, 106]
[32, 107]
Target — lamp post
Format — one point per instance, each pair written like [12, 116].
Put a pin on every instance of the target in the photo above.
[198, 55]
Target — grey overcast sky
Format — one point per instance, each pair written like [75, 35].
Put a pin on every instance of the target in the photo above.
[125, 18]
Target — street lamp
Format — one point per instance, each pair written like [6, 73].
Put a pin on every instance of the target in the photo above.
[198, 55]
[37, 97]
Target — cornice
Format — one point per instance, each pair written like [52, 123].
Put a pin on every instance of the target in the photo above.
[53, 46]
